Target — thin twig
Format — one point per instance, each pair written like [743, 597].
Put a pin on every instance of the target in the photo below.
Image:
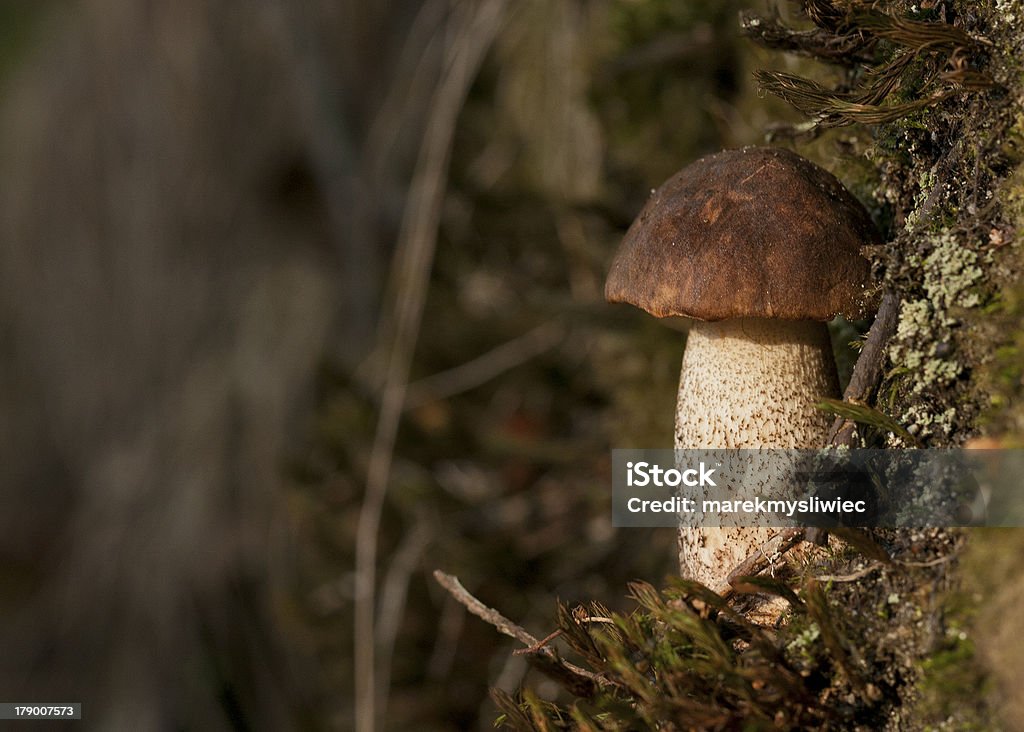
[539, 644]
[581, 618]
[543, 657]
[417, 242]
[868, 369]
[932, 562]
[485, 367]
[393, 595]
[865, 571]
[761, 559]
[489, 615]
[407, 96]
[853, 576]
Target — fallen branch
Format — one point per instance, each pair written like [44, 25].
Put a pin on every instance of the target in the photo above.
[578, 680]
[763, 558]
[868, 369]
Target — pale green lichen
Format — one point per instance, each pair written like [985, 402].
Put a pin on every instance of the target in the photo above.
[924, 189]
[915, 319]
[1007, 12]
[950, 272]
[937, 371]
[951, 275]
[924, 423]
[804, 641]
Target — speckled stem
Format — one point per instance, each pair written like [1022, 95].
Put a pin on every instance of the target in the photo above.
[748, 383]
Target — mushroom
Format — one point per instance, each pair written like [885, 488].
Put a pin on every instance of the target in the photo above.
[760, 247]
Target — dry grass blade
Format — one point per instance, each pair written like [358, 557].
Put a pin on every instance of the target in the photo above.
[806, 95]
[826, 15]
[836, 109]
[864, 414]
[577, 636]
[851, 112]
[840, 649]
[756, 584]
[414, 259]
[881, 81]
[512, 715]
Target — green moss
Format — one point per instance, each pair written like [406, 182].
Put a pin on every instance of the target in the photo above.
[954, 686]
[1002, 378]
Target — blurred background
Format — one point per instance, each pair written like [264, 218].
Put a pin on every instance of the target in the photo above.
[303, 298]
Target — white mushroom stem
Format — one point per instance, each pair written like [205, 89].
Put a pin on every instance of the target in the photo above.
[748, 383]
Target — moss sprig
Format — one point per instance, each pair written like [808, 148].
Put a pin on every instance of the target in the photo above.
[684, 660]
[899, 65]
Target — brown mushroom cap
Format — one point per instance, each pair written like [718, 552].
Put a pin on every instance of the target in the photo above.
[758, 232]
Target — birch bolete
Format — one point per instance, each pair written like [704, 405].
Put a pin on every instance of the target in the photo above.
[759, 247]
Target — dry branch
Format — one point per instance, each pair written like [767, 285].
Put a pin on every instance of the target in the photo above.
[868, 369]
[763, 558]
[578, 680]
